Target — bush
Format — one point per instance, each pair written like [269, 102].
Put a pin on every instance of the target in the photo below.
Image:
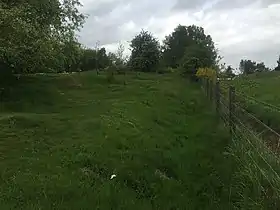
[206, 73]
[189, 73]
[110, 73]
[121, 69]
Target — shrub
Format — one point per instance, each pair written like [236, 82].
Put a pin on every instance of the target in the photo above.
[206, 73]
[110, 73]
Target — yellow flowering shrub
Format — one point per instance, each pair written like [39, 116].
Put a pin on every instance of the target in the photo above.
[206, 73]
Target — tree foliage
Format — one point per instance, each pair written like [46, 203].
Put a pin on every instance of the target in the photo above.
[188, 46]
[121, 60]
[174, 46]
[202, 56]
[102, 59]
[260, 67]
[229, 71]
[118, 61]
[145, 54]
[39, 35]
[278, 65]
[249, 67]
[94, 59]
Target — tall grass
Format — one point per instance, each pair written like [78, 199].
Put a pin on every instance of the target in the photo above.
[256, 184]
[62, 137]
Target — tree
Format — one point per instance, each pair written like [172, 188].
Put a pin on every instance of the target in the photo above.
[113, 58]
[145, 53]
[174, 46]
[247, 66]
[29, 44]
[278, 65]
[118, 57]
[197, 56]
[229, 71]
[90, 59]
[72, 54]
[102, 58]
[260, 67]
[120, 54]
[179, 46]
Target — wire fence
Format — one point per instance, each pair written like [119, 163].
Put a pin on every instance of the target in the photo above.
[255, 139]
[232, 105]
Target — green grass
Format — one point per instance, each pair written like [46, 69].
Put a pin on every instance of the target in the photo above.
[257, 180]
[62, 137]
[262, 87]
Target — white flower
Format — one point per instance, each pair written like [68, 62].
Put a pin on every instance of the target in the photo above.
[113, 176]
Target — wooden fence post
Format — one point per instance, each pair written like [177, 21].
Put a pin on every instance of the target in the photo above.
[211, 90]
[231, 109]
[1, 92]
[203, 85]
[207, 87]
[217, 96]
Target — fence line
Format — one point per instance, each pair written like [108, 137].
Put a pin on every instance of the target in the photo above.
[231, 111]
[264, 160]
[257, 120]
[258, 101]
[230, 102]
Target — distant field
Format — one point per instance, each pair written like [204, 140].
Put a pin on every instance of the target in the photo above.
[262, 86]
[62, 137]
[256, 116]
[258, 93]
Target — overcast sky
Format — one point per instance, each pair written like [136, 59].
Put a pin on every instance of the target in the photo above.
[248, 29]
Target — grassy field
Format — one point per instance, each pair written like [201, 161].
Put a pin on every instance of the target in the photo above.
[262, 86]
[262, 89]
[62, 137]
[256, 147]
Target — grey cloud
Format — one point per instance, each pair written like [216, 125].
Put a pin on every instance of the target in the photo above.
[189, 4]
[220, 4]
[102, 9]
[263, 52]
[227, 4]
[105, 32]
[112, 21]
[106, 21]
[269, 2]
[235, 4]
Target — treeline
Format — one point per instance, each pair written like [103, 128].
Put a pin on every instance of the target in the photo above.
[39, 36]
[249, 67]
[187, 48]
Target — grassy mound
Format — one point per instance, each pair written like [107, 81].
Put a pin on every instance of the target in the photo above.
[62, 137]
